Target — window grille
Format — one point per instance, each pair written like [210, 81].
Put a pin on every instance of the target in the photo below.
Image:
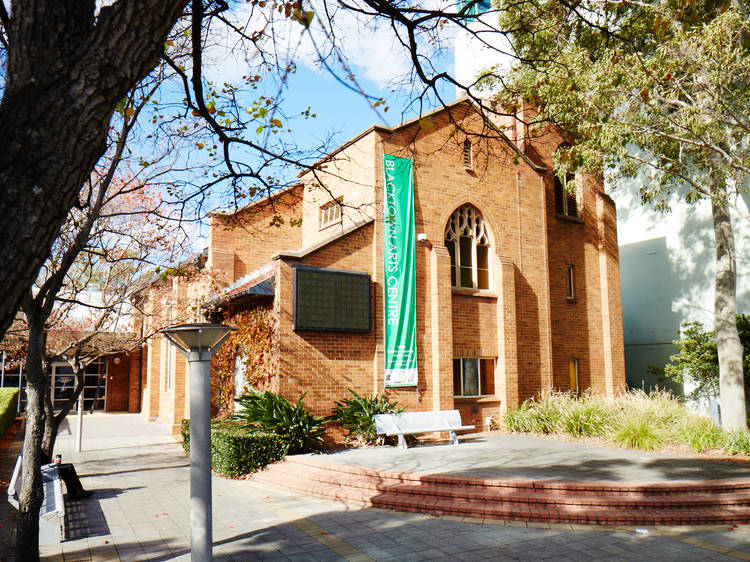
[468, 155]
[330, 213]
[567, 194]
[468, 243]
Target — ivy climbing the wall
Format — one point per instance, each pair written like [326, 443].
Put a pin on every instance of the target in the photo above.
[252, 349]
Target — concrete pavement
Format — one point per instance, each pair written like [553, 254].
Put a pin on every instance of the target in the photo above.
[140, 511]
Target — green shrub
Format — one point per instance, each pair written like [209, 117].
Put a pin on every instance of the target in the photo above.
[356, 415]
[699, 434]
[215, 424]
[271, 412]
[235, 450]
[637, 432]
[8, 408]
[737, 442]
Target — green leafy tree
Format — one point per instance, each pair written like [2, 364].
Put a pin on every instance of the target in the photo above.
[697, 358]
[653, 90]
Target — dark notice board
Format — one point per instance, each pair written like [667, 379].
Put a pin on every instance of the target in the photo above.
[331, 300]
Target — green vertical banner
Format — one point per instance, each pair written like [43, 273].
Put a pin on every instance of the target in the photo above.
[400, 292]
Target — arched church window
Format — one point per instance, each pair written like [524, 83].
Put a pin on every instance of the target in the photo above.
[468, 243]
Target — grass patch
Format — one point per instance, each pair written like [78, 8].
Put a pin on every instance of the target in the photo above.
[634, 420]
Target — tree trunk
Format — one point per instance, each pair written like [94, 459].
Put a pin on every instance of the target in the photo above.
[32, 494]
[67, 68]
[731, 383]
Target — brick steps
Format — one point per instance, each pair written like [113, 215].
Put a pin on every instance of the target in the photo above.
[675, 503]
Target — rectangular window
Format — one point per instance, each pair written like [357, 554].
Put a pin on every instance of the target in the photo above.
[473, 376]
[566, 196]
[468, 155]
[483, 268]
[168, 358]
[465, 259]
[330, 213]
[573, 371]
[452, 251]
[569, 285]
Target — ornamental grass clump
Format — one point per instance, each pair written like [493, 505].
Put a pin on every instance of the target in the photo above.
[659, 406]
[590, 416]
[272, 413]
[699, 434]
[539, 416]
[737, 442]
[355, 414]
[636, 432]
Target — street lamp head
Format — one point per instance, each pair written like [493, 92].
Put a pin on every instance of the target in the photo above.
[199, 338]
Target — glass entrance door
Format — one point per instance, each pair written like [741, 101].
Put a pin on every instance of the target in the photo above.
[94, 385]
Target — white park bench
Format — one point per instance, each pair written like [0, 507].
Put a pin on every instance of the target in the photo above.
[409, 423]
[52, 512]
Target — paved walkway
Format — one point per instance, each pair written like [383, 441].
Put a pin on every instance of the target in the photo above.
[498, 455]
[140, 512]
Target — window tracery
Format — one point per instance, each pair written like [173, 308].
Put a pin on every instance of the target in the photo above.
[468, 243]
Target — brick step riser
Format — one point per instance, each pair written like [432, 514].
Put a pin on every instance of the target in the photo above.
[699, 487]
[558, 514]
[511, 496]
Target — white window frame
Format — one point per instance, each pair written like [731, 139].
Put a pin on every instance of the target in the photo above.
[330, 213]
[467, 222]
[479, 376]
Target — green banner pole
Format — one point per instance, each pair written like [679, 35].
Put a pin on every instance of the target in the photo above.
[400, 293]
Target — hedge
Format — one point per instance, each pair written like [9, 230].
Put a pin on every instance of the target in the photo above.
[235, 450]
[8, 408]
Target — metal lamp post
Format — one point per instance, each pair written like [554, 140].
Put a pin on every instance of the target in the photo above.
[198, 342]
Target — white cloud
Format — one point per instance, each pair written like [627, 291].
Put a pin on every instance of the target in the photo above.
[369, 46]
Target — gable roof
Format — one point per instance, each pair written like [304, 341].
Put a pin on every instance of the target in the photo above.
[501, 136]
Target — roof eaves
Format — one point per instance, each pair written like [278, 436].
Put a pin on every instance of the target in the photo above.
[303, 252]
[226, 211]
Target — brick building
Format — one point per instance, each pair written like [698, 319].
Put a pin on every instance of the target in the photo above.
[517, 277]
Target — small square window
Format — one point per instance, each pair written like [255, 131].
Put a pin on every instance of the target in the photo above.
[330, 213]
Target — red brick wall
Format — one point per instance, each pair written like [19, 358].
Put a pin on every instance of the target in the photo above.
[242, 242]
[325, 364]
[541, 330]
[524, 319]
